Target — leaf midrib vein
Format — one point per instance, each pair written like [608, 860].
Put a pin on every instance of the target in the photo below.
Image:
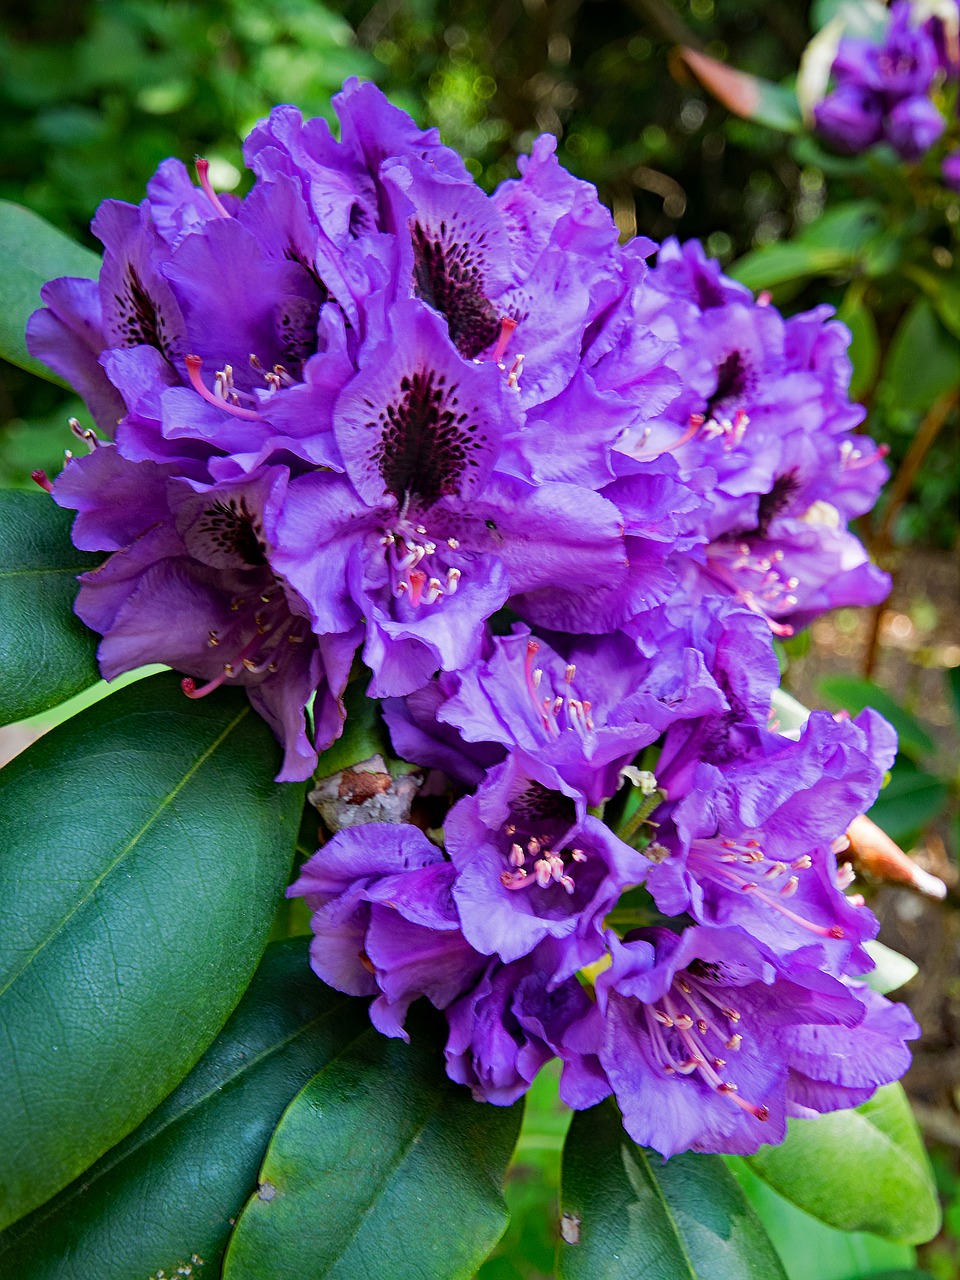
[644, 1162]
[128, 848]
[173, 1121]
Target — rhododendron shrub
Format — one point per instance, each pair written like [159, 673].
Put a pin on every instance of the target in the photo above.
[492, 520]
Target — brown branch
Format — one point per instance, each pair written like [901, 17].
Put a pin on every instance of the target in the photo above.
[920, 446]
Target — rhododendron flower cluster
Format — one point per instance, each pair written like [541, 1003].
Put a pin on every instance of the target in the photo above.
[548, 497]
[884, 91]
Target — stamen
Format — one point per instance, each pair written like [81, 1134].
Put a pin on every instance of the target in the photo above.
[203, 173]
[40, 477]
[194, 364]
[189, 685]
[516, 879]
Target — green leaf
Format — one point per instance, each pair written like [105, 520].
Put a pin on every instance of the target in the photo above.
[146, 846]
[184, 1175]
[892, 969]
[810, 1250]
[864, 350]
[923, 361]
[860, 17]
[788, 260]
[634, 1214]
[46, 653]
[848, 226]
[825, 1164]
[33, 252]
[943, 290]
[852, 694]
[380, 1167]
[910, 801]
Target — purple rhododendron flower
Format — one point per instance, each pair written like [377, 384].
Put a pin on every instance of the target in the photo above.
[532, 864]
[585, 707]
[190, 584]
[559, 499]
[766, 407]
[384, 921]
[850, 119]
[882, 90]
[690, 1033]
[751, 839]
[513, 1022]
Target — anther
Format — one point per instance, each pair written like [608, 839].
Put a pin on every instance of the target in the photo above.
[790, 888]
[570, 672]
[734, 1042]
[40, 477]
[516, 856]
[543, 872]
[84, 433]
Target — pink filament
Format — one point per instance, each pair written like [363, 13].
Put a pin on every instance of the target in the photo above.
[194, 364]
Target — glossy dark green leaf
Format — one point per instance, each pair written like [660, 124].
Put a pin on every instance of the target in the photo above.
[849, 693]
[46, 653]
[629, 1213]
[145, 848]
[33, 252]
[183, 1176]
[825, 1163]
[380, 1167]
[809, 1249]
